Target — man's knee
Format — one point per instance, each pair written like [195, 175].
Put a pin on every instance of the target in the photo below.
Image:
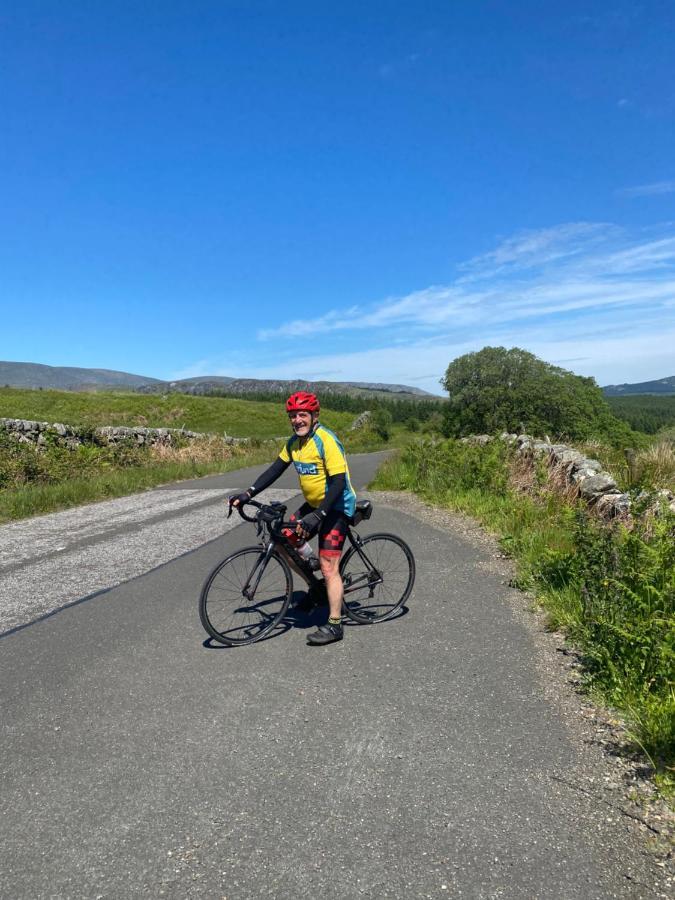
[330, 566]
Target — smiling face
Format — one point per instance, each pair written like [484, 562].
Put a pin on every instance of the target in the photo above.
[302, 422]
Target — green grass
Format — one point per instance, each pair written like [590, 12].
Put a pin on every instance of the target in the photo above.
[649, 467]
[39, 498]
[239, 418]
[611, 590]
[56, 477]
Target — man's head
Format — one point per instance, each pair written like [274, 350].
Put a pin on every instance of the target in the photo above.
[303, 411]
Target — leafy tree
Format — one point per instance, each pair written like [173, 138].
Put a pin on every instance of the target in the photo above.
[512, 390]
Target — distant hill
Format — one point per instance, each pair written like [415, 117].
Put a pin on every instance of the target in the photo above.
[65, 378]
[662, 386]
[244, 386]
[35, 375]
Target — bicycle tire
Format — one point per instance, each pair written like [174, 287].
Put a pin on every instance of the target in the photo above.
[232, 622]
[368, 600]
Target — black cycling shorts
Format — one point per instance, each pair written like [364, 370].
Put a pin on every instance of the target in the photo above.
[332, 532]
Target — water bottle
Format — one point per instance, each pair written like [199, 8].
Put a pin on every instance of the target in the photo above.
[307, 554]
[303, 548]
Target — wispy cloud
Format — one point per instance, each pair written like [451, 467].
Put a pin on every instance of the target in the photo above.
[648, 190]
[536, 248]
[568, 291]
[331, 321]
[589, 296]
[571, 269]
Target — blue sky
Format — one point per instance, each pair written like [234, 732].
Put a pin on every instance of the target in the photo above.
[353, 191]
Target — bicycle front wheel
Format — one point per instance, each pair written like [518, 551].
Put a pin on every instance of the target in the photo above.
[378, 577]
[245, 597]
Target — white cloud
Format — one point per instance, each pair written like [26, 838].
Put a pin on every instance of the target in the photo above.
[578, 268]
[609, 357]
[591, 293]
[649, 190]
[532, 249]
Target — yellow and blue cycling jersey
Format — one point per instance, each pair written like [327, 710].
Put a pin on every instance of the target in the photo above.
[317, 461]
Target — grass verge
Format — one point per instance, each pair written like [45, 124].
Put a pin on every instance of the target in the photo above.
[612, 590]
[38, 498]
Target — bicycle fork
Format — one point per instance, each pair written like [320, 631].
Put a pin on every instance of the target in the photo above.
[257, 573]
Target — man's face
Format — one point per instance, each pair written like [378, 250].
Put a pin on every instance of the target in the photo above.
[301, 422]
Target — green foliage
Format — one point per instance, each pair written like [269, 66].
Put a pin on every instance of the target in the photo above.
[497, 390]
[644, 412]
[22, 464]
[612, 589]
[382, 422]
[434, 423]
[401, 410]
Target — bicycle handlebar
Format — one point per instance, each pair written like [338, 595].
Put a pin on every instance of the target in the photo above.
[240, 510]
[277, 523]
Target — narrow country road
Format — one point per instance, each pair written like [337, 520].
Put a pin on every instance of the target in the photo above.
[419, 758]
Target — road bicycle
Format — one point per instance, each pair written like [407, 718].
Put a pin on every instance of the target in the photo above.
[247, 595]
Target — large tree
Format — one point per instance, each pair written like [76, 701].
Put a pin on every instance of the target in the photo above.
[497, 389]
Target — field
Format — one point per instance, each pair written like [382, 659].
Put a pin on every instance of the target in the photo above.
[238, 418]
[56, 477]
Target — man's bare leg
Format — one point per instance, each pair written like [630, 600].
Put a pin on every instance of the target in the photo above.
[293, 566]
[330, 569]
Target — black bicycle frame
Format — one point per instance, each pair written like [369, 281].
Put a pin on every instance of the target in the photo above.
[357, 544]
[259, 567]
[277, 538]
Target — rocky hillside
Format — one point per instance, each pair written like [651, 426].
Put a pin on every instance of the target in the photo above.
[244, 386]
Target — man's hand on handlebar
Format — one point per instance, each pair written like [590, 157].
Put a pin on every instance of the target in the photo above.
[239, 499]
[309, 523]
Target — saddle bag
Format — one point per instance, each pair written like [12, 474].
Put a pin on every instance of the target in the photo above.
[364, 510]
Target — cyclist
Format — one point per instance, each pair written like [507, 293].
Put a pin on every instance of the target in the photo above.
[320, 461]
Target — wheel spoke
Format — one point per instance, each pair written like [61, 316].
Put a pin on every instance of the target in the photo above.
[231, 617]
[371, 599]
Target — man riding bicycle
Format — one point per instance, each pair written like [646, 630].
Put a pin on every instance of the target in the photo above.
[320, 461]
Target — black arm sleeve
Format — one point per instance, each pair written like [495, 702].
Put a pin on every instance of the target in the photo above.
[337, 486]
[268, 476]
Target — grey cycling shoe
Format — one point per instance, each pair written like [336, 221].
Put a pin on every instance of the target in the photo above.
[326, 634]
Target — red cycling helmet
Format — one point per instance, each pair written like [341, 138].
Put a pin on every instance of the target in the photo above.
[301, 401]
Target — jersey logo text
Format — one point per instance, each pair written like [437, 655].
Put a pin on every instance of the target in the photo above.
[306, 468]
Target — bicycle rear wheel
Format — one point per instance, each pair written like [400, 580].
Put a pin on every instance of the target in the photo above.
[245, 597]
[377, 583]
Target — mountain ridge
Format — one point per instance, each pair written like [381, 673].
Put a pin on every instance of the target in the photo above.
[38, 375]
[658, 386]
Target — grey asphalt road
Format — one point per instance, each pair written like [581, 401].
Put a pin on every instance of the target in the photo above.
[419, 758]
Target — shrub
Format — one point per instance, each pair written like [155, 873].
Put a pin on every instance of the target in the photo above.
[381, 422]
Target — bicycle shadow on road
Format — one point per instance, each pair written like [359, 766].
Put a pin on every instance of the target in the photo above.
[297, 618]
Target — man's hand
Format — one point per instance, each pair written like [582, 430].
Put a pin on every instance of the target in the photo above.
[310, 523]
[239, 499]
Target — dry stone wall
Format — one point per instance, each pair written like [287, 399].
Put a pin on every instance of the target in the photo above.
[582, 475]
[42, 433]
